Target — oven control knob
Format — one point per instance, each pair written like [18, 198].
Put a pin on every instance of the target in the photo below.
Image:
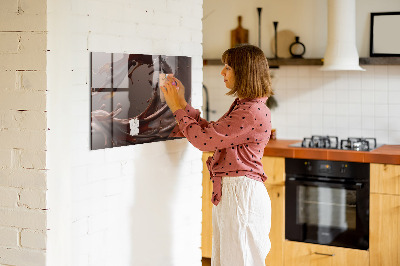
[308, 166]
[343, 168]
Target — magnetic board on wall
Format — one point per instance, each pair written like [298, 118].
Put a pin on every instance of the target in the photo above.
[127, 106]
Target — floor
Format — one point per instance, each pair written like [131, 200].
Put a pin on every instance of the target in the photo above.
[206, 261]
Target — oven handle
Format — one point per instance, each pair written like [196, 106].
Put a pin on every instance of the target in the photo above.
[357, 185]
[324, 254]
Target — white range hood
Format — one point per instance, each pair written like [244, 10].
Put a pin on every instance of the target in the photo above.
[341, 51]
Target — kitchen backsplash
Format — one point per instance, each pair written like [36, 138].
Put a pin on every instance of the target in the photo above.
[314, 102]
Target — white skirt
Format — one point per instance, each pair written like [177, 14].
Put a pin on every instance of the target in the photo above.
[241, 223]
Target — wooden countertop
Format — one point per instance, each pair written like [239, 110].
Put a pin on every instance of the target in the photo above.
[389, 154]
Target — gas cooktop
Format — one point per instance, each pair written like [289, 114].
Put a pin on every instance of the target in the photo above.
[332, 142]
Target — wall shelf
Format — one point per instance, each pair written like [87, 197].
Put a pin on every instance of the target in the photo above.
[380, 61]
[274, 63]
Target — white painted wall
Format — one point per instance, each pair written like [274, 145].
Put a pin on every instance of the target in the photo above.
[23, 133]
[306, 19]
[134, 205]
[344, 103]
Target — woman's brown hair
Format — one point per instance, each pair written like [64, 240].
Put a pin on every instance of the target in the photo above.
[250, 66]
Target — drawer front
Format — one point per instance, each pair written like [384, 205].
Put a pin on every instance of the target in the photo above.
[385, 178]
[297, 254]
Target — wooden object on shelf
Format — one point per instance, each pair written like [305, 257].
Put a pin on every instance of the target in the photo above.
[239, 35]
[385, 179]
[384, 235]
[305, 254]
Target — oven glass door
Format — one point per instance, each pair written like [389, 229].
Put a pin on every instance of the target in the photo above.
[326, 207]
[327, 213]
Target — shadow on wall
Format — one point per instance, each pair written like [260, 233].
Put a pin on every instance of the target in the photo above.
[154, 204]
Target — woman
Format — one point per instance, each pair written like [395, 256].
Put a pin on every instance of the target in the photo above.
[242, 211]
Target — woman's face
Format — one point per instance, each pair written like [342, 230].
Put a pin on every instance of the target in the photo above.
[229, 76]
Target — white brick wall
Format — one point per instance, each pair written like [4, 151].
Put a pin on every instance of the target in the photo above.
[24, 256]
[33, 239]
[22, 132]
[9, 197]
[134, 205]
[9, 237]
[122, 206]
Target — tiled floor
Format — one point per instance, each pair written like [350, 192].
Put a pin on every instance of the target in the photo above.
[206, 261]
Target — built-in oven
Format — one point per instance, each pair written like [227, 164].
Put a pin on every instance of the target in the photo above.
[327, 202]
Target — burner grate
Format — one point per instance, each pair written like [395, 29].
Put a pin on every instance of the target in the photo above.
[358, 144]
[332, 142]
[327, 142]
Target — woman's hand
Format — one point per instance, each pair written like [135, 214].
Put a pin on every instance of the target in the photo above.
[181, 90]
[172, 95]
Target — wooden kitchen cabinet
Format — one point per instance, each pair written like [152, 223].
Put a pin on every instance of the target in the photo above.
[274, 168]
[385, 215]
[206, 225]
[277, 233]
[384, 236]
[385, 178]
[305, 254]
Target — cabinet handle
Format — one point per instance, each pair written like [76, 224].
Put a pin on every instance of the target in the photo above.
[324, 254]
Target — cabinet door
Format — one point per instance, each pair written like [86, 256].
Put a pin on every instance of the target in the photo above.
[274, 168]
[206, 232]
[277, 233]
[304, 254]
[384, 230]
[385, 178]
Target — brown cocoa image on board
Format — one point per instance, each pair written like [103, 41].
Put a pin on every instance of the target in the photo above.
[127, 107]
[239, 35]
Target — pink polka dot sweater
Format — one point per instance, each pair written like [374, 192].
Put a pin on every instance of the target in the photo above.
[238, 139]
